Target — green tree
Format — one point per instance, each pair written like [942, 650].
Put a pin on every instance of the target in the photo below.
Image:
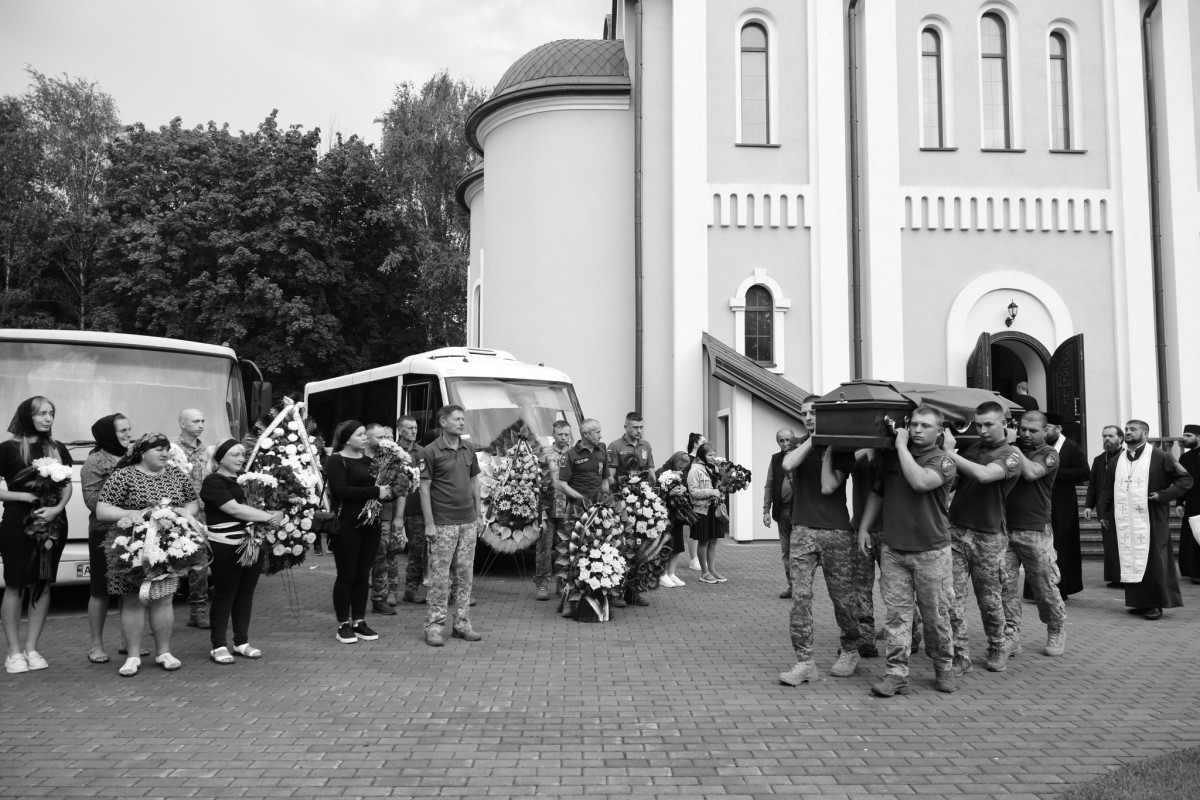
[74, 122]
[425, 152]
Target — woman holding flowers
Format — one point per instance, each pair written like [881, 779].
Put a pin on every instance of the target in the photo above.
[351, 488]
[701, 480]
[674, 491]
[228, 518]
[33, 530]
[140, 482]
[112, 434]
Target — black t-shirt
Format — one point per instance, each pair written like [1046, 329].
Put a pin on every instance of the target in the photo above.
[216, 491]
[813, 509]
[862, 482]
[915, 521]
[584, 469]
[1027, 507]
[980, 506]
[11, 465]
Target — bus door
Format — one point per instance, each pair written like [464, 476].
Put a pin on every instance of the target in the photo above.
[421, 399]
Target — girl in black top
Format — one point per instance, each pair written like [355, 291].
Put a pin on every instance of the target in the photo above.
[32, 439]
[351, 485]
[227, 515]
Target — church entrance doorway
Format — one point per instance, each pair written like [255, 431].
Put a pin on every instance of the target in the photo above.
[1002, 360]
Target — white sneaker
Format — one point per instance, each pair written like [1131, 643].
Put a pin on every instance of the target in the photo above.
[694, 564]
[665, 582]
[678, 582]
[34, 659]
[16, 663]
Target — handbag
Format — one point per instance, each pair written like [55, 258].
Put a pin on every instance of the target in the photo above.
[721, 513]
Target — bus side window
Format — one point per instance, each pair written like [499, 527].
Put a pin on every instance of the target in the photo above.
[422, 398]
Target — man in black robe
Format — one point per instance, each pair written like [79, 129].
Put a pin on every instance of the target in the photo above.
[1064, 515]
[1099, 501]
[1142, 495]
[1188, 506]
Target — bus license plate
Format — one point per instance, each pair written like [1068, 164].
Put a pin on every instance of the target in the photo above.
[83, 570]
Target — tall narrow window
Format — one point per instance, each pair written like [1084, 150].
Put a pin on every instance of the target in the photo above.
[932, 114]
[755, 108]
[1060, 100]
[760, 313]
[997, 120]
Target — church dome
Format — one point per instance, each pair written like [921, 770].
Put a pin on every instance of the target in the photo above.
[567, 66]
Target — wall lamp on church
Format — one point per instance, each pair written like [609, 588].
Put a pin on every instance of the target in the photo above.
[1012, 314]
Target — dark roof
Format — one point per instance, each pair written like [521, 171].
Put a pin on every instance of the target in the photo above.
[729, 366]
[567, 66]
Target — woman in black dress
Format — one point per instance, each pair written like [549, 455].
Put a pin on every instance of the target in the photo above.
[227, 516]
[351, 485]
[142, 479]
[113, 435]
[32, 439]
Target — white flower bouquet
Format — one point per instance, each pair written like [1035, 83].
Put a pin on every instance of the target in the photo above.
[514, 508]
[45, 478]
[155, 545]
[590, 564]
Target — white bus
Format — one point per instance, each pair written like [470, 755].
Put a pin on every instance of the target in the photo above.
[499, 393]
[90, 375]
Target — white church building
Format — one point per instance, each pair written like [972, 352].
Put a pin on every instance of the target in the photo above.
[718, 207]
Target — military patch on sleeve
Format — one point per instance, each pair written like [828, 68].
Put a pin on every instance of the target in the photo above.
[946, 465]
[1011, 461]
[1051, 460]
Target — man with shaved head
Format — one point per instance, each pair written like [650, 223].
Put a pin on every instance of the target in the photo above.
[191, 425]
[1146, 481]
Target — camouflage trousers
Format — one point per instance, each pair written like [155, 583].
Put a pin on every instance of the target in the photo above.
[547, 545]
[979, 559]
[414, 573]
[866, 605]
[929, 578]
[837, 554]
[385, 572]
[1033, 550]
[451, 562]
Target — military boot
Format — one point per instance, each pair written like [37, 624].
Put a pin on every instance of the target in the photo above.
[962, 664]
[997, 659]
[803, 672]
[1012, 643]
[1056, 642]
[433, 637]
[382, 607]
[847, 662]
[891, 685]
[464, 631]
[945, 682]
[199, 618]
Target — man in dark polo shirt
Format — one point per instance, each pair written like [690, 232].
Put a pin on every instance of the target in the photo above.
[583, 476]
[630, 455]
[987, 471]
[450, 506]
[912, 489]
[777, 502]
[821, 535]
[1031, 540]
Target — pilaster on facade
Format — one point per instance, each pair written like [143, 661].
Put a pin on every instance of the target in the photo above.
[1132, 275]
[690, 211]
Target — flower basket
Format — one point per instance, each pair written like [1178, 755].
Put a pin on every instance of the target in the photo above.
[164, 586]
[152, 548]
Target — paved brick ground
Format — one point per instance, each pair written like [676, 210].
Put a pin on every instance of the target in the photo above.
[676, 700]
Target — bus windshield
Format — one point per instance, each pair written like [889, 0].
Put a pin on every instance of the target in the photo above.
[498, 408]
[86, 382]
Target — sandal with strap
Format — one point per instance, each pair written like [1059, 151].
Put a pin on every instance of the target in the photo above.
[220, 656]
[97, 655]
[130, 667]
[247, 650]
[168, 662]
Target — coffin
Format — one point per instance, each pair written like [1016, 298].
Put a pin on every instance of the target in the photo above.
[863, 413]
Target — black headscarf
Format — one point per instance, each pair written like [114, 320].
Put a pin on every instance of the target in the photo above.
[138, 449]
[22, 421]
[104, 431]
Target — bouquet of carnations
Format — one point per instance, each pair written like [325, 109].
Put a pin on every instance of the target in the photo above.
[45, 478]
[514, 508]
[286, 452]
[179, 460]
[156, 546]
[673, 487]
[731, 477]
[393, 468]
[590, 565]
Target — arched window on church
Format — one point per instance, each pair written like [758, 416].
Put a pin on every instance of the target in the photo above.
[932, 111]
[760, 327]
[997, 100]
[1060, 93]
[754, 98]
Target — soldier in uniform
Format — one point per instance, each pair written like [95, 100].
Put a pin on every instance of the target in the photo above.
[385, 572]
[627, 456]
[412, 519]
[987, 471]
[191, 425]
[1031, 539]
[450, 505]
[821, 535]
[555, 503]
[912, 489]
[583, 478]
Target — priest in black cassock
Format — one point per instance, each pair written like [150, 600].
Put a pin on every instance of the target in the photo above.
[1146, 481]
[1189, 505]
[1100, 500]
[1064, 505]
